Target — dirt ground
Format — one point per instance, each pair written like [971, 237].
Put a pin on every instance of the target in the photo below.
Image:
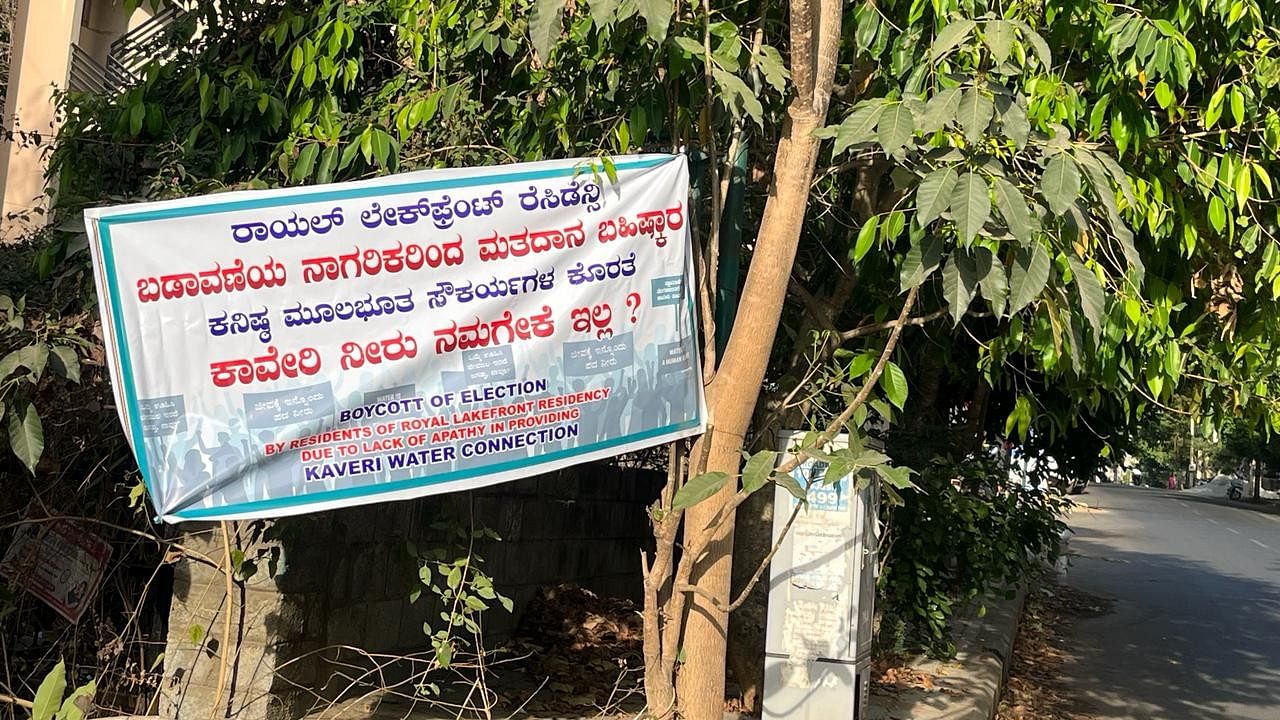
[1035, 690]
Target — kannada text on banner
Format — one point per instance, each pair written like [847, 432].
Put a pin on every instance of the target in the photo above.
[288, 351]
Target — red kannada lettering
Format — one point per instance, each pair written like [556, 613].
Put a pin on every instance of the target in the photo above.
[217, 280]
[355, 355]
[500, 247]
[652, 224]
[503, 331]
[265, 368]
[372, 261]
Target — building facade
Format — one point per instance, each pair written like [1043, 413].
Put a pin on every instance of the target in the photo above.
[89, 45]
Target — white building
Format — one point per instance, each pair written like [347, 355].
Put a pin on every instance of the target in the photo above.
[78, 44]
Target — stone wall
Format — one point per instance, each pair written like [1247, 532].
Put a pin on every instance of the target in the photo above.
[332, 581]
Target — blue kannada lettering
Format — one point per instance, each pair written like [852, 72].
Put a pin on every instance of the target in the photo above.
[362, 308]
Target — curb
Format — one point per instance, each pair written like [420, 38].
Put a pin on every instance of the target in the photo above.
[968, 687]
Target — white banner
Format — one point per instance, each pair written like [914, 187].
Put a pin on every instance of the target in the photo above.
[287, 351]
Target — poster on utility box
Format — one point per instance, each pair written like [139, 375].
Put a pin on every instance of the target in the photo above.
[288, 351]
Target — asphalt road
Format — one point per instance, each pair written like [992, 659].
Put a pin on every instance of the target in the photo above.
[1194, 629]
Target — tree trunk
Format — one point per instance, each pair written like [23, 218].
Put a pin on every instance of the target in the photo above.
[731, 399]
[732, 394]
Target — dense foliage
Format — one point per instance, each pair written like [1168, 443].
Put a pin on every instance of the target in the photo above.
[968, 533]
[1081, 192]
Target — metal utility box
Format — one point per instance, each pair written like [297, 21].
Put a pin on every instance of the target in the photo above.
[821, 594]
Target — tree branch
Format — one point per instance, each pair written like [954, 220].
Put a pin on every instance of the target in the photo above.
[873, 328]
[755, 577]
[699, 544]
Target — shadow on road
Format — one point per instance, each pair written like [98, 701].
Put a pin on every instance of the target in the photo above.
[1216, 659]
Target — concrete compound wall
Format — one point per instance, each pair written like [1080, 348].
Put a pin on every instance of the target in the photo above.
[343, 579]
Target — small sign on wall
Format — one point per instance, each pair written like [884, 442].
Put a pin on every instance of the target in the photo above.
[58, 561]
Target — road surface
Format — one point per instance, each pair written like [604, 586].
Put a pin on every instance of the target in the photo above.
[1194, 632]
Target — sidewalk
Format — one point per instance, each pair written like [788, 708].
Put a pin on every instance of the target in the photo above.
[968, 687]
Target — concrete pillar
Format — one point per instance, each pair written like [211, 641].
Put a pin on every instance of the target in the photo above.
[43, 32]
[269, 661]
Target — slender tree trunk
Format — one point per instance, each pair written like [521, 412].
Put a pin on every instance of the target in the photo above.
[732, 395]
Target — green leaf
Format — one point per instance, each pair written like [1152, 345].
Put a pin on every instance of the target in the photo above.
[1015, 124]
[34, 357]
[1217, 214]
[758, 470]
[791, 485]
[306, 162]
[1117, 174]
[603, 12]
[858, 128]
[868, 23]
[1173, 361]
[657, 17]
[26, 436]
[1013, 208]
[698, 489]
[79, 703]
[950, 36]
[1092, 299]
[862, 364]
[773, 67]
[65, 362]
[1243, 187]
[995, 285]
[1164, 95]
[1214, 110]
[970, 206]
[895, 128]
[999, 37]
[920, 261]
[934, 194]
[898, 477]
[736, 96]
[838, 467]
[1060, 183]
[974, 114]
[1038, 44]
[1027, 277]
[136, 493]
[1155, 380]
[691, 46]
[328, 159]
[444, 654]
[1263, 176]
[940, 110]
[894, 383]
[1099, 115]
[1237, 106]
[10, 363]
[49, 695]
[1019, 419]
[137, 113]
[959, 281]
[892, 228]
[866, 237]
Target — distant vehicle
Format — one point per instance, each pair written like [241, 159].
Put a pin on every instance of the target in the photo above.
[1221, 486]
